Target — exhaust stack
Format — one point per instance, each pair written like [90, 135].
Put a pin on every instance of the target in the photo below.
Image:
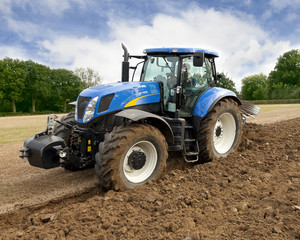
[125, 65]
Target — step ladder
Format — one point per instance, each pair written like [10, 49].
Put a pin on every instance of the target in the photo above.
[190, 149]
[185, 139]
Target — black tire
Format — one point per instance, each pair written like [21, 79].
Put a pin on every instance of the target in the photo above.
[130, 156]
[61, 131]
[220, 131]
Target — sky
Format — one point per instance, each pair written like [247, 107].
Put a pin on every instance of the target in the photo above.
[248, 35]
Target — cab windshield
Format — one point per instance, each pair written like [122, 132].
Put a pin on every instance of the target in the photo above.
[160, 68]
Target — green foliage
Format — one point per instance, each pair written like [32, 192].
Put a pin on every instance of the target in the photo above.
[283, 82]
[287, 69]
[88, 77]
[38, 82]
[13, 77]
[226, 82]
[29, 86]
[284, 91]
[1, 90]
[66, 87]
[255, 87]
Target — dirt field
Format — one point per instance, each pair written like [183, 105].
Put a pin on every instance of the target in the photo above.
[276, 113]
[252, 194]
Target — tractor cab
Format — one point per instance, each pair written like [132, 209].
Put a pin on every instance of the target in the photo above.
[183, 73]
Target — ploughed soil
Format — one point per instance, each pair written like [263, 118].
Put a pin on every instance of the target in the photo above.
[252, 194]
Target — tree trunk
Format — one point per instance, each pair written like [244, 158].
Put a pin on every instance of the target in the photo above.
[14, 106]
[33, 104]
[65, 106]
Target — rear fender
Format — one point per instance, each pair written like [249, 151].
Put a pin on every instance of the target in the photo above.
[155, 120]
[210, 98]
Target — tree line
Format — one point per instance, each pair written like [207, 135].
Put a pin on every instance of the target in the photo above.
[27, 86]
[282, 83]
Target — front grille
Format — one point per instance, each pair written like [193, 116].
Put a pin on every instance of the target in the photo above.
[81, 104]
[105, 102]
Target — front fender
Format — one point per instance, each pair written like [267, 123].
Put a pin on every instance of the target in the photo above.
[155, 120]
[209, 99]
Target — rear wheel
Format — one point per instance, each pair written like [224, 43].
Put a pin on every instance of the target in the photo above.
[220, 131]
[130, 156]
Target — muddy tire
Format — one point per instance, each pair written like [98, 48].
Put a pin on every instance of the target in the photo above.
[220, 131]
[60, 131]
[130, 156]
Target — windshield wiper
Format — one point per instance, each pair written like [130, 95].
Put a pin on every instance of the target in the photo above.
[168, 65]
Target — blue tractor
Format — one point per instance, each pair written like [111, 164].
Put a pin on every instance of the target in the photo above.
[127, 128]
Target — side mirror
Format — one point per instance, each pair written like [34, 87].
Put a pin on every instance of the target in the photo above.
[198, 59]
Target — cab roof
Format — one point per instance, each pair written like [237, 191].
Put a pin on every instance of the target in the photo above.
[179, 51]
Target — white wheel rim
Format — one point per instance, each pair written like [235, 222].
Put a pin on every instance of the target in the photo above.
[141, 175]
[224, 133]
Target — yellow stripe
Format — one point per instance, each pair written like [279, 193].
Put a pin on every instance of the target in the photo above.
[133, 102]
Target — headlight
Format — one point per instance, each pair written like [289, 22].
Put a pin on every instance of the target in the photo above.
[76, 112]
[90, 110]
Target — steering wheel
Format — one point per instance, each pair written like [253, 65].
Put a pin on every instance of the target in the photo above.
[171, 80]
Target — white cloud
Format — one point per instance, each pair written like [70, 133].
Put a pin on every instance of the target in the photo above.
[291, 7]
[292, 17]
[55, 6]
[13, 52]
[244, 47]
[26, 30]
[267, 14]
[42, 7]
[279, 5]
[47, 7]
[5, 8]
[68, 52]
[248, 2]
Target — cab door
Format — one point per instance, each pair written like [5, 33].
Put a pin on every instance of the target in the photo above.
[194, 81]
[163, 69]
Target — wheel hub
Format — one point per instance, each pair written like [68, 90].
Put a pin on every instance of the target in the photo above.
[137, 160]
[218, 131]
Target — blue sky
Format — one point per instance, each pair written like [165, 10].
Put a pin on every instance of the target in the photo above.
[249, 35]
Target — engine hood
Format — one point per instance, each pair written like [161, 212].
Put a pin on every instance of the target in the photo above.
[117, 96]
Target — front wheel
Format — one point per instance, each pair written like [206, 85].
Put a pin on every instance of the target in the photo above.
[220, 131]
[130, 156]
[61, 131]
